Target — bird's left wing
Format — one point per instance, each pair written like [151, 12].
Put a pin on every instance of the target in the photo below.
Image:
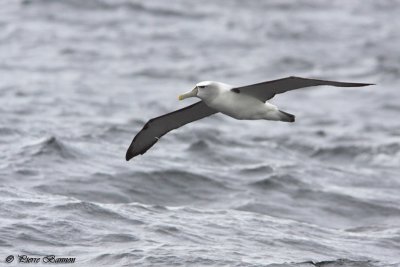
[157, 127]
[267, 90]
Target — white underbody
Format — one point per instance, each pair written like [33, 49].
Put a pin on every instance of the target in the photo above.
[243, 107]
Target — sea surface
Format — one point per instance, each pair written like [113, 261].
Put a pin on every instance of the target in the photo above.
[78, 80]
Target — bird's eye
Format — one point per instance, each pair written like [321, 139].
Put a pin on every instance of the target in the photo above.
[202, 86]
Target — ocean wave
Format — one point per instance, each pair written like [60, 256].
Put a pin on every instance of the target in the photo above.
[331, 263]
[279, 181]
[135, 6]
[296, 63]
[50, 146]
[169, 187]
[117, 238]
[200, 145]
[256, 170]
[94, 210]
[7, 131]
[27, 171]
[138, 258]
[346, 153]
[297, 201]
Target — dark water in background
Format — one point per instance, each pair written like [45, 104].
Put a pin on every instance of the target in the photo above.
[78, 79]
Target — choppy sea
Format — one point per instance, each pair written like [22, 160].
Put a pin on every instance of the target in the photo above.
[78, 79]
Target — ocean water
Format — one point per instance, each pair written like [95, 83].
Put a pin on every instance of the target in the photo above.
[78, 79]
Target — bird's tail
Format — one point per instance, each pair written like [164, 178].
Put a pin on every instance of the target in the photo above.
[284, 116]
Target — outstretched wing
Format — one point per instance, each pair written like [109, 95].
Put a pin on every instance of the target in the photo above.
[267, 90]
[157, 127]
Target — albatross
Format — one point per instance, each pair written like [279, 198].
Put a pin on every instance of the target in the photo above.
[243, 103]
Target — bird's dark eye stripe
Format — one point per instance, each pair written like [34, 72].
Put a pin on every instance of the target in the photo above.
[201, 86]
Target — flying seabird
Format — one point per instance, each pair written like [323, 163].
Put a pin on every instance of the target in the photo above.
[242, 103]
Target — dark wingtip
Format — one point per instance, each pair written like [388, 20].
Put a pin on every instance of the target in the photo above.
[128, 156]
[350, 84]
[367, 84]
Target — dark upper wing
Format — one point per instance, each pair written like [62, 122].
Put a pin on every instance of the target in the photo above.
[157, 127]
[266, 90]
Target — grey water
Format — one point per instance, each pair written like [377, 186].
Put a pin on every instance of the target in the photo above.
[78, 79]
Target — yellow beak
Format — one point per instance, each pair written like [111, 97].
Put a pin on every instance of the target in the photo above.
[192, 93]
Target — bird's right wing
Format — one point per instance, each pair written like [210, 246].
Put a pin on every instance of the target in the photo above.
[267, 90]
[157, 127]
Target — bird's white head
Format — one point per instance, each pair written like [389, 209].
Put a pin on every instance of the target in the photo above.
[205, 90]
